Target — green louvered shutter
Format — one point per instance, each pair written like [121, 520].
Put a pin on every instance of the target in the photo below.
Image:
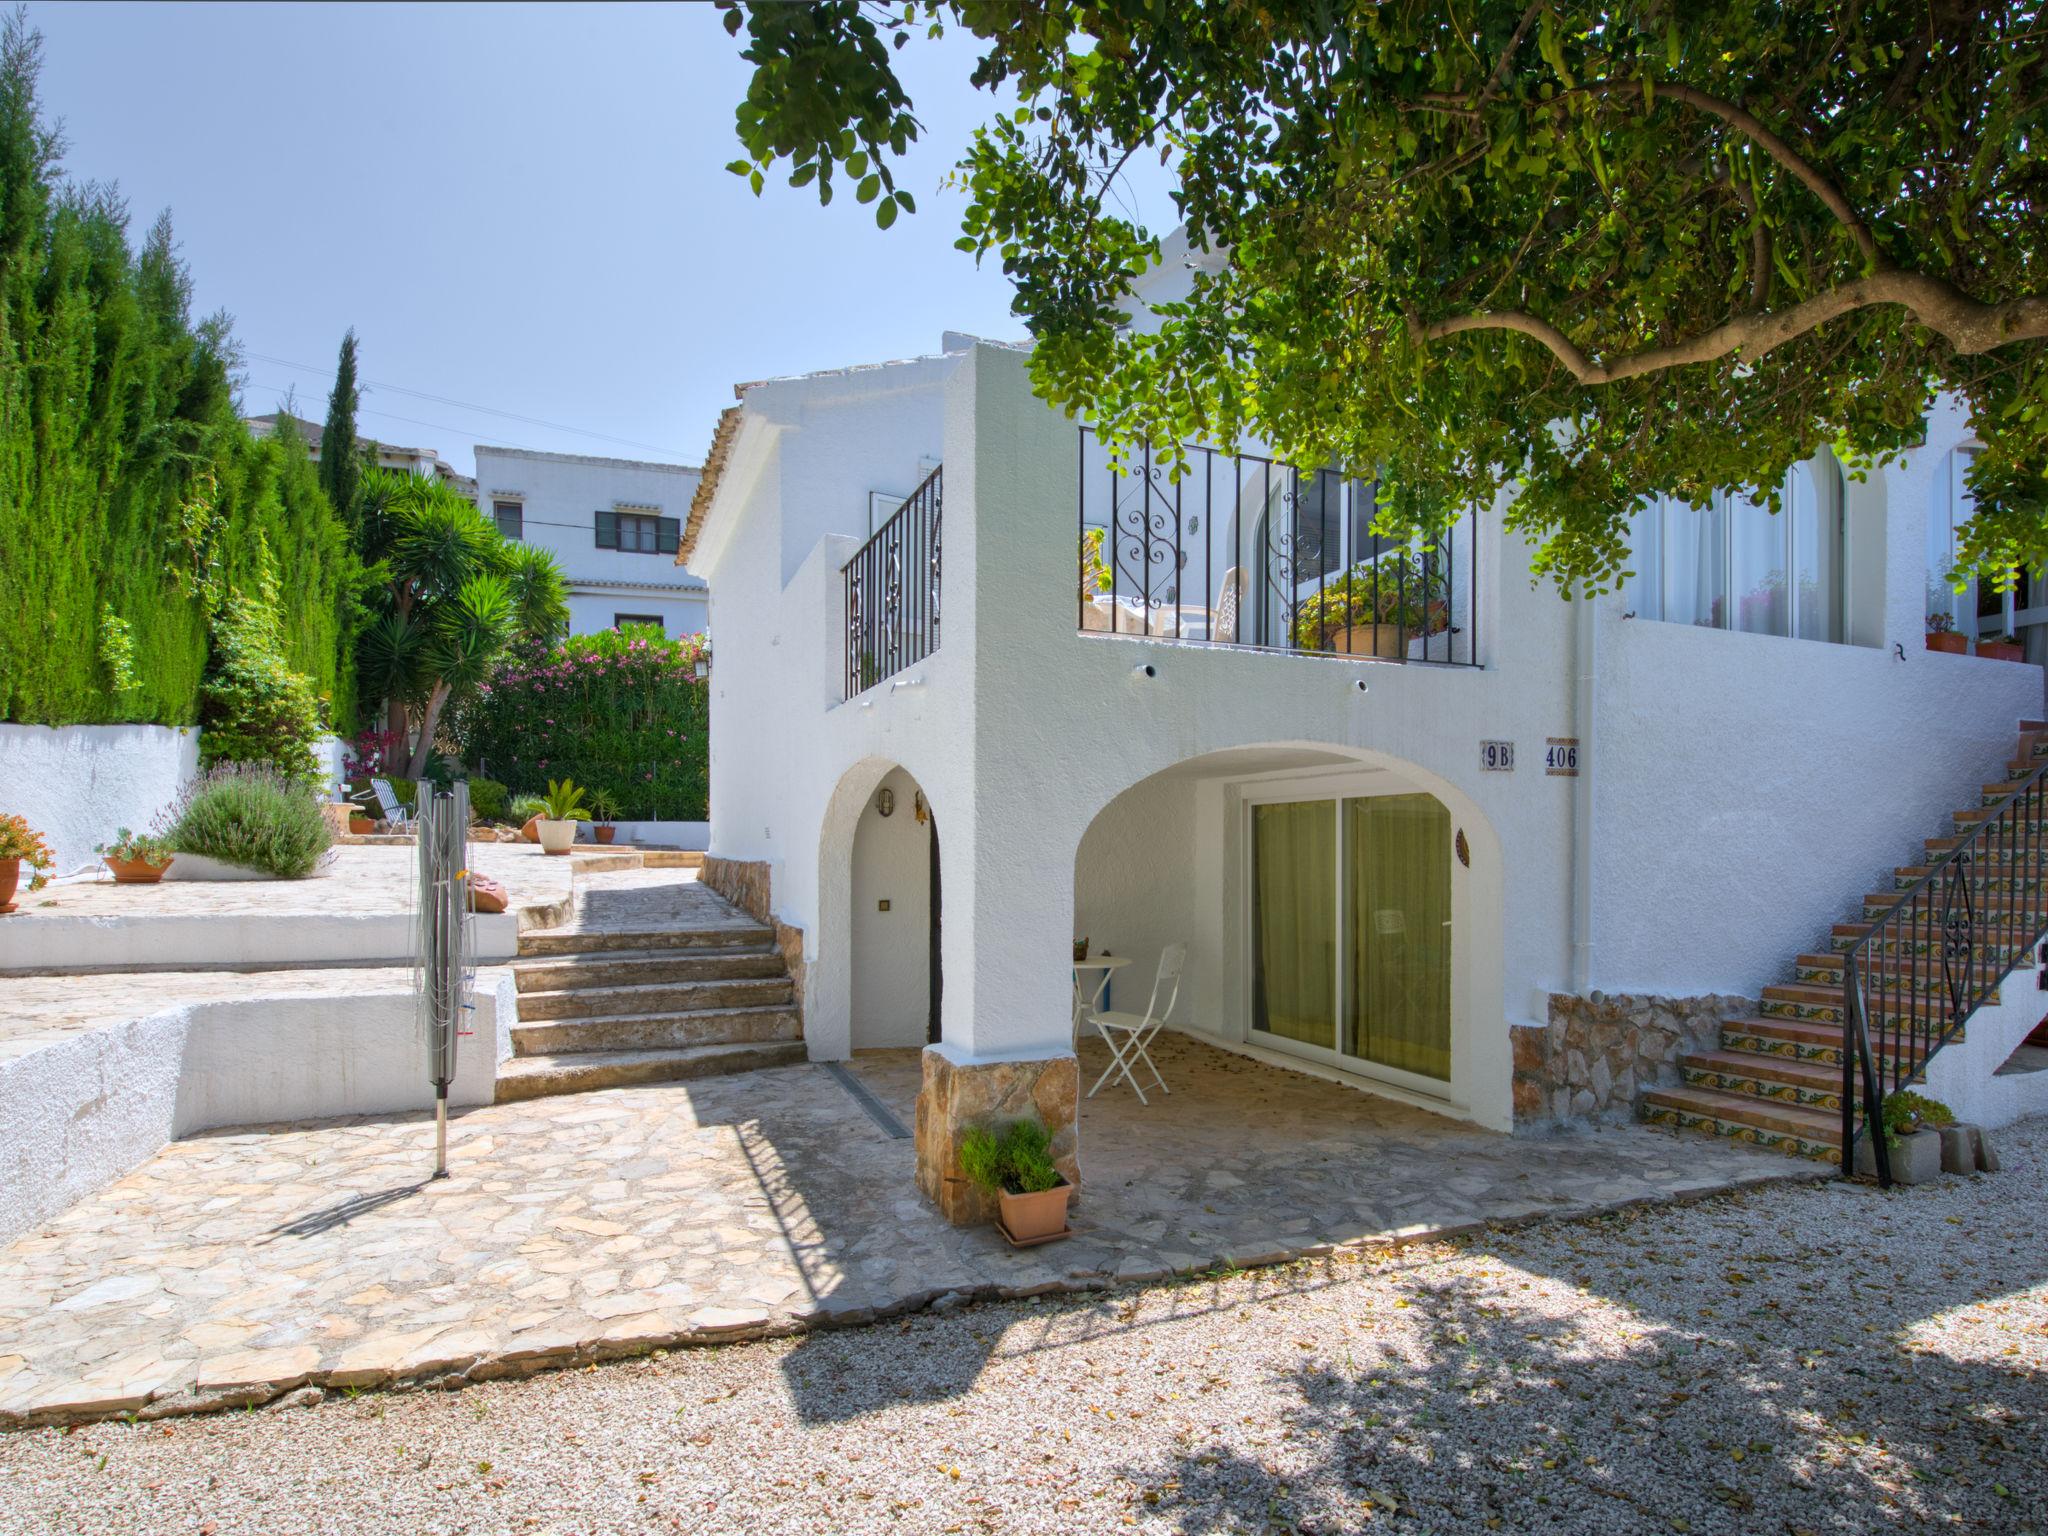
[607, 529]
[667, 531]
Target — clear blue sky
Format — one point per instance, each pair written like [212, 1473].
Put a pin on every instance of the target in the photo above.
[519, 207]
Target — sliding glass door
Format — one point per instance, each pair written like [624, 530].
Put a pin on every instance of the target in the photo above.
[1351, 930]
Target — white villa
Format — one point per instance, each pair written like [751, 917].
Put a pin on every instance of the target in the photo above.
[1515, 859]
[611, 524]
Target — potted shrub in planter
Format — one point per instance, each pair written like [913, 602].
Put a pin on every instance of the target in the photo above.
[1016, 1169]
[2001, 648]
[604, 809]
[136, 858]
[526, 811]
[1375, 608]
[21, 844]
[565, 807]
[247, 821]
[1942, 636]
[1912, 1136]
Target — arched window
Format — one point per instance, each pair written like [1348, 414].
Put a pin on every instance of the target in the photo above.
[1733, 564]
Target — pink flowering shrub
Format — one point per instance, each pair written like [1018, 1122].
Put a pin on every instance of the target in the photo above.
[623, 713]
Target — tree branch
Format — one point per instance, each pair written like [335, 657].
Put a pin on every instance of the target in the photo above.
[1968, 326]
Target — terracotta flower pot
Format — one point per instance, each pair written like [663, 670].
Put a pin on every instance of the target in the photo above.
[10, 875]
[136, 871]
[2002, 650]
[555, 836]
[361, 826]
[1380, 640]
[530, 833]
[1950, 641]
[606, 833]
[1029, 1218]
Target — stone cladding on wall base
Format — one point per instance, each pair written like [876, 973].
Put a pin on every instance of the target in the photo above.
[748, 885]
[1598, 1051]
[957, 1096]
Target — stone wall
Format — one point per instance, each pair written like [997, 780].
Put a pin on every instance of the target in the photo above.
[743, 882]
[1598, 1052]
[957, 1096]
[747, 884]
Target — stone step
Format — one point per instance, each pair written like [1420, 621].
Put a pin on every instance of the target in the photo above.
[658, 997]
[579, 941]
[1805, 1084]
[536, 1077]
[558, 973]
[655, 1031]
[1782, 1127]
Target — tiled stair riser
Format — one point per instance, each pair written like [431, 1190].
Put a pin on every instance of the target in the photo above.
[1777, 1141]
[1763, 1088]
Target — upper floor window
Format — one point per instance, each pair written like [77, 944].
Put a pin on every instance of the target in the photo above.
[638, 533]
[510, 516]
[648, 620]
[1734, 564]
[1980, 609]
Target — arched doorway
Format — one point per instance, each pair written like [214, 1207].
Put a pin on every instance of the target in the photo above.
[896, 985]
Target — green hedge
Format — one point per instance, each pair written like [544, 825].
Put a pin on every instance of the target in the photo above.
[131, 496]
[617, 712]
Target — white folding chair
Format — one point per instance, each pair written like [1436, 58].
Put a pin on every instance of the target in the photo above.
[1129, 1035]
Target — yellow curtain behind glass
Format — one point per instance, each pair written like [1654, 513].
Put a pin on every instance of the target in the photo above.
[1398, 864]
[1294, 884]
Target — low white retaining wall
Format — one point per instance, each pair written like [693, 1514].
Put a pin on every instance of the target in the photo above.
[1964, 1074]
[77, 784]
[76, 1115]
[694, 836]
[200, 941]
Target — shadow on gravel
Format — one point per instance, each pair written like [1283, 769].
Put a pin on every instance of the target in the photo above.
[1790, 1406]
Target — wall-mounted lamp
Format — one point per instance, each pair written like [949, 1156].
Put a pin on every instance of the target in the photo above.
[885, 801]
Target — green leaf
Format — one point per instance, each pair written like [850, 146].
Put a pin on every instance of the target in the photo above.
[869, 189]
[885, 212]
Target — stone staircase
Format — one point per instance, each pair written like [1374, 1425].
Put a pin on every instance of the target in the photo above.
[1776, 1077]
[610, 1008]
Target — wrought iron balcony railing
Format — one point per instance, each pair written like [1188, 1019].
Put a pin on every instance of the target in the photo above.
[1937, 955]
[892, 591]
[1243, 551]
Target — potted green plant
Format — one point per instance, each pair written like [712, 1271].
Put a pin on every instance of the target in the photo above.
[1015, 1168]
[136, 858]
[1942, 636]
[604, 809]
[21, 844]
[1375, 608]
[2001, 648]
[526, 811]
[1911, 1126]
[564, 808]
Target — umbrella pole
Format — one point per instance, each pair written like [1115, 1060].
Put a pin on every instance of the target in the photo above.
[440, 1130]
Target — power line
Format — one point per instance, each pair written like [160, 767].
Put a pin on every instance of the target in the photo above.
[469, 405]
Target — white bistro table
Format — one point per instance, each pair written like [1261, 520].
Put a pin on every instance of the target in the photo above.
[1088, 998]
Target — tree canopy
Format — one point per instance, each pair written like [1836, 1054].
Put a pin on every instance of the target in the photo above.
[1593, 252]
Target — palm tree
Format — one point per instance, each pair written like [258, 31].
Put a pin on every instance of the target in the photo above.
[455, 595]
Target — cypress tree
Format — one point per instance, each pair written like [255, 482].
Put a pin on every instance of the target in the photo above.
[341, 461]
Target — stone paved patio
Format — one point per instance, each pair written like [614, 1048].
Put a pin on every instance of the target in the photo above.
[234, 1267]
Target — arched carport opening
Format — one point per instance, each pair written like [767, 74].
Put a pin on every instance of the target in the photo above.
[1341, 911]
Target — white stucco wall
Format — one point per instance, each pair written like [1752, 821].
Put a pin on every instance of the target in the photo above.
[78, 784]
[78, 1114]
[560, 494]
[891, 950]
[1743, 789]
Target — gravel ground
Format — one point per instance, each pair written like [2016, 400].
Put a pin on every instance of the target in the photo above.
[1816, 1358]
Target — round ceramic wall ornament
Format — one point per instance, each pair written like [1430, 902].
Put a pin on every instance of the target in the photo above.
[885, 801]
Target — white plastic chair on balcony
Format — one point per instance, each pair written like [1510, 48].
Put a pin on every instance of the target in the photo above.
[1129, 1035]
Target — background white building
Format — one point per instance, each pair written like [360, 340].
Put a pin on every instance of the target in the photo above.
[611, 524]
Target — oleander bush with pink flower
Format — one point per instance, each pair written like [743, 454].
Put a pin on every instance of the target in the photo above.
[623, 712]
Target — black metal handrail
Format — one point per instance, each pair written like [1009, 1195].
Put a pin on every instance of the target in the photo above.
[892, 590]
[1248, 552]
[1936, 956]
